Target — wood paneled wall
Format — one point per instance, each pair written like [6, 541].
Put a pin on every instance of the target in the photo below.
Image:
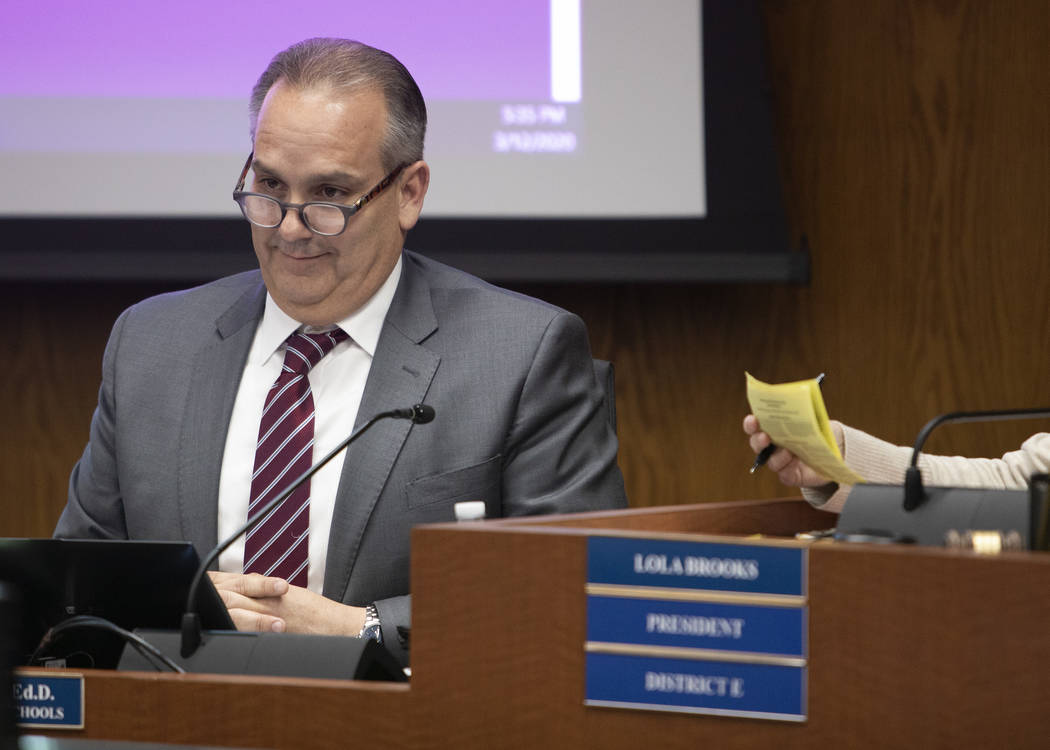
[915, 142]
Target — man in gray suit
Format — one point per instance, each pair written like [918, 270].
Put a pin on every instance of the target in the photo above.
[337, 182]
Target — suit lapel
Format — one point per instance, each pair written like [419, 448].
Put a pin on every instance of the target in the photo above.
[400, 376]
[214, 378]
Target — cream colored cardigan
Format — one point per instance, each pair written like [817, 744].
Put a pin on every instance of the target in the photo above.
[885, 463]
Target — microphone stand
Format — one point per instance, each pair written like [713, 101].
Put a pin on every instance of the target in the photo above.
[914, 494]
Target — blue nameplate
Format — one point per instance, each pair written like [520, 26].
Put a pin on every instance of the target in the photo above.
[697, 624]
[48, 701]
[761, 691]
[713, 566]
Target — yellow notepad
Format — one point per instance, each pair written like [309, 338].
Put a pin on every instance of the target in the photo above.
[794, 416]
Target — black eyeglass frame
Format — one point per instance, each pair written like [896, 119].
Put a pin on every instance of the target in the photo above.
[239, 194]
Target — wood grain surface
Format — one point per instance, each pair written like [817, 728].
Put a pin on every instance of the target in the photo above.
[238, 711]
[915, 156]
[907, 647]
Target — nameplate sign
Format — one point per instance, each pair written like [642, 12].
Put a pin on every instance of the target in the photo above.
[775, 630]
[711, 566]
[697, 626]
[49, 701]
[757, 691]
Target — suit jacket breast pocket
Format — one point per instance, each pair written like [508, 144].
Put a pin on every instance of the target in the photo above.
[478, 482]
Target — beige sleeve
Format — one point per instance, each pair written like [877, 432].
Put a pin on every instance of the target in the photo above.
[884, 463]
[874, 459]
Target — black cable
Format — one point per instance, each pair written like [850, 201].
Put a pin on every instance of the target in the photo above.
[91, 621]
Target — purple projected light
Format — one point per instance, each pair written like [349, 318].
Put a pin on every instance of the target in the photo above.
[109, 97]
[465, 49]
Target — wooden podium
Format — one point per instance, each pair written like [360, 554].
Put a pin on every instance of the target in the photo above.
[907, 647]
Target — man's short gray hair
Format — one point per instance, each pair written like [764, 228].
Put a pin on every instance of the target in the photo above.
[344, 64]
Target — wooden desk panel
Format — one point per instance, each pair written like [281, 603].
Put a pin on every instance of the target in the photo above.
[908, 647]
[236, 711]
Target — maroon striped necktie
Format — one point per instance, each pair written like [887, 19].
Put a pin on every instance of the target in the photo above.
[279, 545]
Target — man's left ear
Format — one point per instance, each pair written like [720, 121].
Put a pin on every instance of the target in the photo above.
[415, 179]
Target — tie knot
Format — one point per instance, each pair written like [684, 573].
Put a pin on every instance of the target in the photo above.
[304, 350]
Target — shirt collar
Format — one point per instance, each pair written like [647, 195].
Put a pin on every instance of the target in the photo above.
[363, 325]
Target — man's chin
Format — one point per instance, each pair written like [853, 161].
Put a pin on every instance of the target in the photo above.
[298, 292]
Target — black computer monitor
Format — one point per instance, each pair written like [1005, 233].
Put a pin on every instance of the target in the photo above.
[133, 584]
[9, 609]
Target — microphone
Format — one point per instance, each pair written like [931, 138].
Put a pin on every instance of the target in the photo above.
[191, 624]
[419, 414]
[914, 493]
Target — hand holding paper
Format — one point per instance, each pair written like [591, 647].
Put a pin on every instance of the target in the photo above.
[794, 416]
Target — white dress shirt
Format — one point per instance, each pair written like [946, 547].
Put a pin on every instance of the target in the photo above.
[337, 383]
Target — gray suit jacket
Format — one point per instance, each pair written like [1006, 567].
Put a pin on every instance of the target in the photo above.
[519, 424]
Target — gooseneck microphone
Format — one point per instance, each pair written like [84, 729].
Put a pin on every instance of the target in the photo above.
[914, 494]
[419, 414]
[191, 624]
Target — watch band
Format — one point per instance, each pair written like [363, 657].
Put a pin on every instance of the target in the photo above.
[372, 628]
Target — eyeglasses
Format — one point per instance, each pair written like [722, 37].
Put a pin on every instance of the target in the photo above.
[328, 219]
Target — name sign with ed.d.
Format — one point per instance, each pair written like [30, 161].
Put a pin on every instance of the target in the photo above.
[45, 700]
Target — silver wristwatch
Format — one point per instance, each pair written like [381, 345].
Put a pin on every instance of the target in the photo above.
[371, 628]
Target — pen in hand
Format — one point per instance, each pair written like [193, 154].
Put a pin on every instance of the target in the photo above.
[766, 452]
[762, 457]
